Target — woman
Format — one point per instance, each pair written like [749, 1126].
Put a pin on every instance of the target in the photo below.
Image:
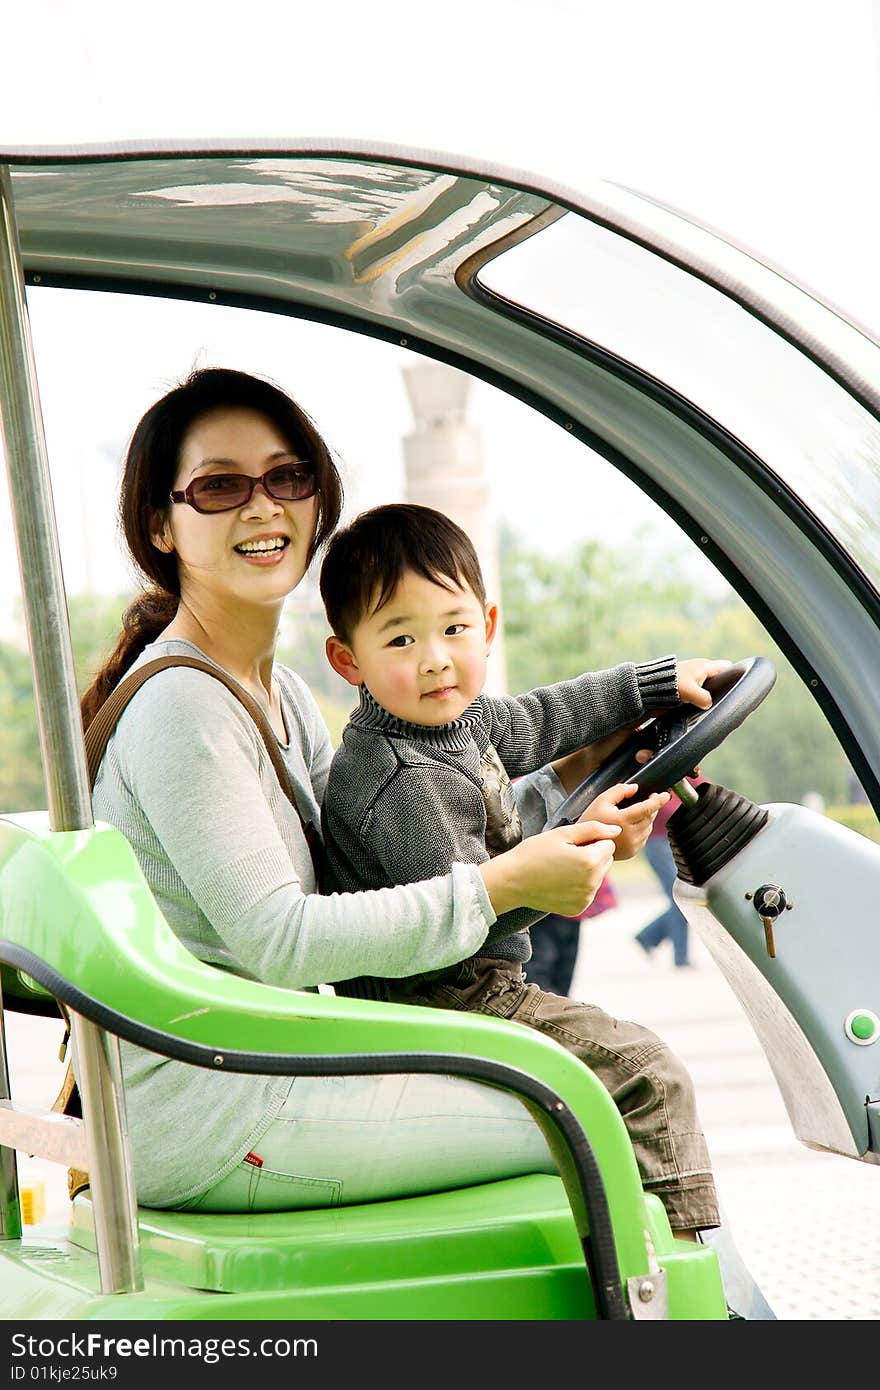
[228, 491]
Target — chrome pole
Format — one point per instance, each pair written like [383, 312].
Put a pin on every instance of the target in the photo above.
[99, 1077]
[98, 1068]
[36, 537]
[10, 1207]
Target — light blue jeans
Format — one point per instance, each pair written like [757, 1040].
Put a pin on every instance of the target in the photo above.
[672, 922]
[366, 1138]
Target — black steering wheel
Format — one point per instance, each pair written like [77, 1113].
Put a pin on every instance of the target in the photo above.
[681, 737]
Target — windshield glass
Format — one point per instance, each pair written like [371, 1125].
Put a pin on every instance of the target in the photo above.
[802, 424]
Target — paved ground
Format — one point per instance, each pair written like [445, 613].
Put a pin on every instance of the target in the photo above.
[807, 1224]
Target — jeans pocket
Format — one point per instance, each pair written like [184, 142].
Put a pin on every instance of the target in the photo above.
[271, 1190]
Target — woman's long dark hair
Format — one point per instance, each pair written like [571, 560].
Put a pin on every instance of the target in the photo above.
[148, 477]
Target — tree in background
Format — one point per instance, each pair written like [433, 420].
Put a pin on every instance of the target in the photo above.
[21, 776]
[94, 624]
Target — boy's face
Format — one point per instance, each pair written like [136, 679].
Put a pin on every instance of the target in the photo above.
[422, 656]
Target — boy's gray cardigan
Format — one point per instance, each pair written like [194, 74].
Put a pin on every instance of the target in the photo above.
[404, 801]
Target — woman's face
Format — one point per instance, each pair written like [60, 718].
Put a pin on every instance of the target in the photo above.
[212, 562]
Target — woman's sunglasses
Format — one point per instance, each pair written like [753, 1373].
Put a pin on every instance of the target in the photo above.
[223, 492]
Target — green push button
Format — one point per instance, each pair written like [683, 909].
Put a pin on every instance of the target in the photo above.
[862, 1026]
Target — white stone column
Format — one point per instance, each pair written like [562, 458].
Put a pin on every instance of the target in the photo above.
[443, 465]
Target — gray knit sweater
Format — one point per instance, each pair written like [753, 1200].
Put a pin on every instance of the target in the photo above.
[405, 802]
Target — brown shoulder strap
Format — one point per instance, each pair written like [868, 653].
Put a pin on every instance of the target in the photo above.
[97, 737]
[102, 725]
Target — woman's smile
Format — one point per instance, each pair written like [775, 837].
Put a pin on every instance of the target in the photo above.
[263, 550]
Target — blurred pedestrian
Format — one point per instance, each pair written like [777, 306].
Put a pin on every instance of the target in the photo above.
[670, 924]
[555, 943]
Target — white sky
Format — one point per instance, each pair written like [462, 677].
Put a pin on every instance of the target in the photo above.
[759, 118]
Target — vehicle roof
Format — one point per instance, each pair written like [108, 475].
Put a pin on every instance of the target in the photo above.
[358, 229]
[336, 232]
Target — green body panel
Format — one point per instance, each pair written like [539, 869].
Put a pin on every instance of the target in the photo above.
[448, 1234]
[553, 1293]
[79, 902]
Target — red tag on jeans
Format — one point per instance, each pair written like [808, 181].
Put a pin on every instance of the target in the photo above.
[254, 1159]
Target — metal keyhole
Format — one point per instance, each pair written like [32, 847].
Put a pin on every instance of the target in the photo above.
[769, 901]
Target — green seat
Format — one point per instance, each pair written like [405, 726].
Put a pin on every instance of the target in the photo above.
[77, 916]
[514, 1242]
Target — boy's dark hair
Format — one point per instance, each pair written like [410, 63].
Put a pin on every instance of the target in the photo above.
[366, 561]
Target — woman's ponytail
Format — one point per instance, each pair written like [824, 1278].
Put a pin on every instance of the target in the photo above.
[143, 620]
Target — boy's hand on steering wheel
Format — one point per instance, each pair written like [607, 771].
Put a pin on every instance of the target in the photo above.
[635, 821]
[690, 676]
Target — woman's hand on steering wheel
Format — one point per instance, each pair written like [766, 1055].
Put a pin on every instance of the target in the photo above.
[635, 820]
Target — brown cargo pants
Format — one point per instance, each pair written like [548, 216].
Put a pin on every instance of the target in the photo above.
[648, 1083]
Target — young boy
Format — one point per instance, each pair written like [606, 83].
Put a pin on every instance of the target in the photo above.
[422, 780]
